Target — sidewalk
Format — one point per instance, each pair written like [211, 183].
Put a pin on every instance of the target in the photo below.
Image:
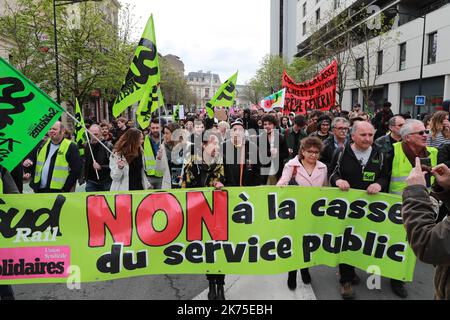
[262, 288]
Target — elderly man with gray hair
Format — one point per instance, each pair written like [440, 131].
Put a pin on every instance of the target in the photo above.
[338, 139]
[386, 143]
[413, 145]
[358, 165]
[97, 171]
[224, 128]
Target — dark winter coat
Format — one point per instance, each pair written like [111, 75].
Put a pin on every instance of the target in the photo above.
[444, 154]
[386, 144]
[347, 167]
[101, 156]
[326, 156]
[282, 156]
[294, 139]
[232, 167]
[429, 240]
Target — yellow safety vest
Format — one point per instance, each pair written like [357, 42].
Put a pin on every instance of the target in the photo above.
[401, 168]
[150, 160]
[61, 168]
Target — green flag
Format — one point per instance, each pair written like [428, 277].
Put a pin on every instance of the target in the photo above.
[160, 101]
[26, 115]
[80, 136]
[143, 75]
[224, 96]
[148, 105]
[176, 113]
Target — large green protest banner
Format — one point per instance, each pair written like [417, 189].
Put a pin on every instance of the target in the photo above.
[26, 115]
[259, 230]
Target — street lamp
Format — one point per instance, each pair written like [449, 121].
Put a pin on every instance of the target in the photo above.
[58, 3]
[424, 17]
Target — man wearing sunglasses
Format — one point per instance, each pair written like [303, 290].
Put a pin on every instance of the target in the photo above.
[404, 154]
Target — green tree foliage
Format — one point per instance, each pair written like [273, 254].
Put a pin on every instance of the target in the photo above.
[27, 24]
[91, 54]
[268, 78]
[174, 86]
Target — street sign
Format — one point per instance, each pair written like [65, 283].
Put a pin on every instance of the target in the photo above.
[420, 100]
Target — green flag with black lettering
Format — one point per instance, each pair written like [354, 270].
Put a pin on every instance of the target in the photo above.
[26, 115]
[224, 97]
[176, 113]
[80, 135]
[148, 105]
[143, 75]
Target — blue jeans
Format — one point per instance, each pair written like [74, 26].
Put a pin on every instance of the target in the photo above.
[92, 186]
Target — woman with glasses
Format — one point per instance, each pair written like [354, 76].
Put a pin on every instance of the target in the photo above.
[440, 130]
[307, 171]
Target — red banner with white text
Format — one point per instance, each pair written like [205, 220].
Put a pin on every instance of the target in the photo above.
[316, 94]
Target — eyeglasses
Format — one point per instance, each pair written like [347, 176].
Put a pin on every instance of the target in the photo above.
[421, 133]
[341, 128]
[312, 153]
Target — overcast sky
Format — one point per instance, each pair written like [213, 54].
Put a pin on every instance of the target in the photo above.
[210, 35]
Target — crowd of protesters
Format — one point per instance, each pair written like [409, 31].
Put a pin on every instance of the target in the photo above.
[347, 150]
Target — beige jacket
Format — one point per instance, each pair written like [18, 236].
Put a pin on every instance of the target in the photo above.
[120, 177]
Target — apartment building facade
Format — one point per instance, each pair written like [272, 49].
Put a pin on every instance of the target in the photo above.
[395, 61]
[204, 85]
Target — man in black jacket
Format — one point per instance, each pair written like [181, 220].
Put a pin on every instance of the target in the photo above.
[381, 120]
[97, 172]
[359, 165]
[57, 165]
[338, 139]
[295, 135]
[248, 121]
[444, 154]
[240, 158]
[7, 186]
[274, 151]
[386, 143]
[241, 168]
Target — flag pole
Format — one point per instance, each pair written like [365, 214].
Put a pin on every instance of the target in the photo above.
[159, 120]
[92, 154]
[87, 136]
[87, 130]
